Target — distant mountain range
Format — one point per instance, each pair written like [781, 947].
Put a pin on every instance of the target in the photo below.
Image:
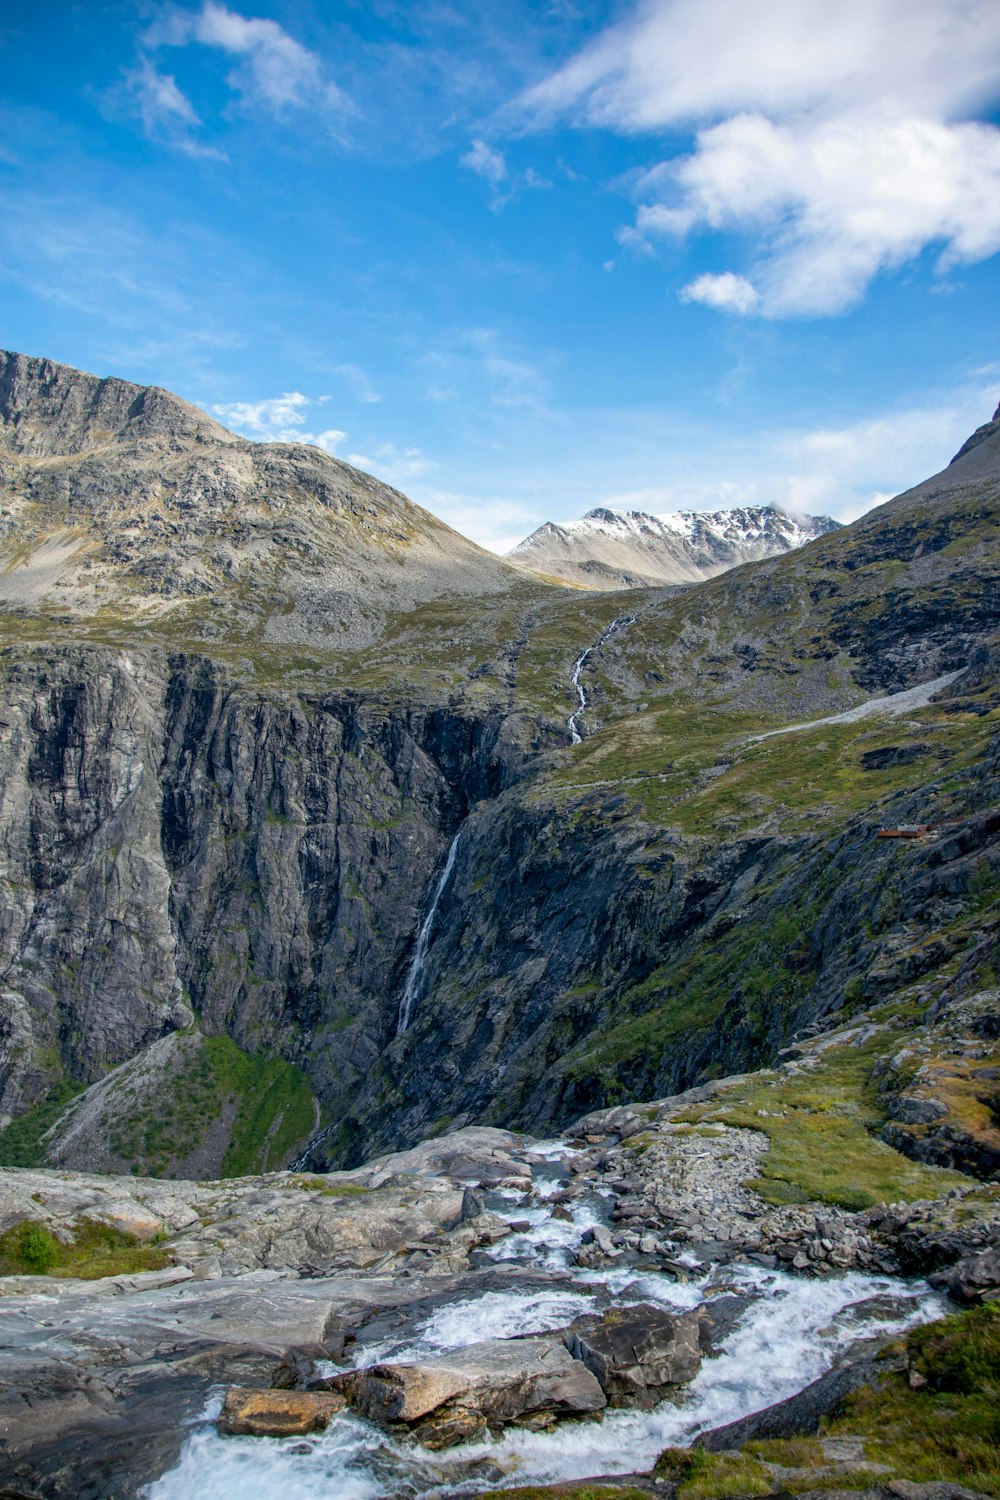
[609, 549]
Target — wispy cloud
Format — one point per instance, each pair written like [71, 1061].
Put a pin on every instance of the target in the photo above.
[486, 162]
[476, 366]
[490, 164]
[272, 72]
[831, 137]
[394, 465]
[359, 383]
[166, 113]
[279, 419]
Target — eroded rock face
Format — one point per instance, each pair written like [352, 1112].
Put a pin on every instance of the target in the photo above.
[171, 842]
[637, 1352]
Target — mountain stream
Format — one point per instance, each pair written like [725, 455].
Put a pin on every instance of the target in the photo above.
[791, 1330]
[415, 976]
[573, 721]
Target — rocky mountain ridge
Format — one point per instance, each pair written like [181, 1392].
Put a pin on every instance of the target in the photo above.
[614, 549]
[225, 844]
[123, 505]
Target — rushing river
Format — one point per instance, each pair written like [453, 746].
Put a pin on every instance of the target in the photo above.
[793, 1329]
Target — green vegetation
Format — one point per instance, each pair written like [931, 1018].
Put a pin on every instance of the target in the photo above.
[264, 1105]
[95, 1250]
[710, 1476]
[948, 1429]
[696, 768]
[570, 1491]
[325, 1188]
[821, 1125]
[21, 1143]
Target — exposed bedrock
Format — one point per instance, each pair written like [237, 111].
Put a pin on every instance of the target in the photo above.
[173, 848]
[178, 852]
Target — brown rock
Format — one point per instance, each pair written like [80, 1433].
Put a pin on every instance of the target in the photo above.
[247, 1413]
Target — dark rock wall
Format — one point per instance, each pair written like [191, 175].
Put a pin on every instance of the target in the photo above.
[176, 848]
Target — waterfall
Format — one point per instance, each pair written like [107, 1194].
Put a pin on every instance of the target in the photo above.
[415, 976]
[576, 738]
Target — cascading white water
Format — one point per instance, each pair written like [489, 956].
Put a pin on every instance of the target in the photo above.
[792, 1330]
[415, 976]
[576, 738]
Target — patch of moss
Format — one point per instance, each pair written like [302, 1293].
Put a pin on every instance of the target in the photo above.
[269, 1100]
[570, 1491]
[31, 1249]
[326, 1189]
[699, 1475]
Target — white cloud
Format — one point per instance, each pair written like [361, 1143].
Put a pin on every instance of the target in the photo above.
[727, 292]
[841, 471]
[277, 70]
[281, 419]
[841, 140]
[359, 382]
[273, 72]
[393, 465]
[492, 521]
[486, 162]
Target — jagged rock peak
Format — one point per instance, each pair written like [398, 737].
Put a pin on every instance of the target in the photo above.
[611, 549]
[49, 409]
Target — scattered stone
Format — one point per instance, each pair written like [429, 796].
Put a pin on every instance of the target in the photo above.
[977, 1278]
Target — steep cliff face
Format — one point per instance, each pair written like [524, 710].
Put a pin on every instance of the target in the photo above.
[584, 957]
[178, 850]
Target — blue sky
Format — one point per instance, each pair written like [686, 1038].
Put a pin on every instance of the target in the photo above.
[524, 259]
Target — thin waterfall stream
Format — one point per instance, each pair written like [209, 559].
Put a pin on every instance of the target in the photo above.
[576, 738]
[415, 976]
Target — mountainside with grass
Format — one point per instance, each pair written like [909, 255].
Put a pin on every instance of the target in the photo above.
[610, 549]
[281, 751]
[123, 505]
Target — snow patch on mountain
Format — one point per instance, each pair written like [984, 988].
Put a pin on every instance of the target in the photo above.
[611, 549]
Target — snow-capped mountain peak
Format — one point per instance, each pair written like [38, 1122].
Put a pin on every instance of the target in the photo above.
[611, 549]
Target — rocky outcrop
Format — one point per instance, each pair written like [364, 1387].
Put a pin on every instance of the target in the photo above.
[637, 1353]
[531, 1381]
[174, 846]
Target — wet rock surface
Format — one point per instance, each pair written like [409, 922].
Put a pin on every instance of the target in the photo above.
[374, 1297]
[493, 1384]
[637, 1352]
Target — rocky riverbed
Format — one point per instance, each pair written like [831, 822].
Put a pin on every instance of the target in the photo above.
[482, 1309]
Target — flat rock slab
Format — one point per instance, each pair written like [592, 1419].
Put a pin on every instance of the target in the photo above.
[495, 1383]
[636, 1353]
[249, 1413]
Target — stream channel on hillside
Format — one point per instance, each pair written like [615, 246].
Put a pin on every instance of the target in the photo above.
[789, 1331]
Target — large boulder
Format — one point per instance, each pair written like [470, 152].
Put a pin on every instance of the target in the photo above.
[976, 1278]
[531, 1381]
[638, 1352]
